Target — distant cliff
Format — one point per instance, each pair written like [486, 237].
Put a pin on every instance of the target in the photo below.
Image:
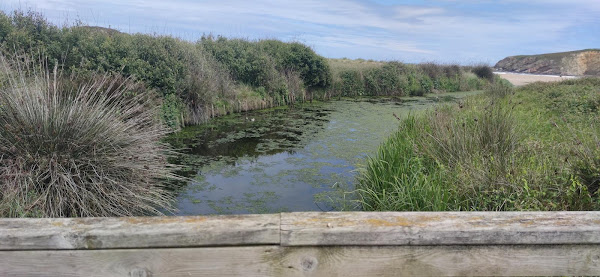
[583, 62]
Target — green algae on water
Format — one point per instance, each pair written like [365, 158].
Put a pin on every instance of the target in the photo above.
[301, 158]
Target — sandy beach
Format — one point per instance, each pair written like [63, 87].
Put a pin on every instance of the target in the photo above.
[519, 79]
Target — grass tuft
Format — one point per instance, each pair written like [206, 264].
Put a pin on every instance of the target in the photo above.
[71, 149]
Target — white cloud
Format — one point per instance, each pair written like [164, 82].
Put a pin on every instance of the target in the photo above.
[435, 28]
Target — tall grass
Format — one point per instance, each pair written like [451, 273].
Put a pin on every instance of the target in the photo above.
[396, 179]
[88, 148]
[535, 148]
[500, 88]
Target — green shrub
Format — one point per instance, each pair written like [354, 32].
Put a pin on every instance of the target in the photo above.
[171, 111]
[296, 57]
[484, 72]
[395, 78]
[5, 26]
[269, 63]
[386, 80]
[434, 71]
[28, 32]
[352, 83]
[415, 86]
[426, 86]
[90, 151]
[202, 75]
[470, 81]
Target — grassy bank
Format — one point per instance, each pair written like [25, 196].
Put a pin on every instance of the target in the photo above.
[531, 148]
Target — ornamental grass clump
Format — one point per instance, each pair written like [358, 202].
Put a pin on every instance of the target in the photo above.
[78, 148]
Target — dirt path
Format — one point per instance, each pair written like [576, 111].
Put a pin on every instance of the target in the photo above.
[523, 79]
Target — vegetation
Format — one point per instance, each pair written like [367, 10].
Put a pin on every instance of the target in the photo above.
[533, 148]
[78, 148]
[196, 80]
[280, 72]
[85, 139]
[216, 75]
[360, 77]
[484, 71]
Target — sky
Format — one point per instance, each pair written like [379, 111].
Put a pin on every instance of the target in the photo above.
[443, 31]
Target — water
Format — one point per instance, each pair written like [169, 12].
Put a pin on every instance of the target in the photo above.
[299, 158]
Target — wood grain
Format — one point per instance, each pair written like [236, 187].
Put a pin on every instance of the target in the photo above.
[439, 228]
[304, 229]
[138, 232]
[521, 260]
[306, 244]
[474, 260]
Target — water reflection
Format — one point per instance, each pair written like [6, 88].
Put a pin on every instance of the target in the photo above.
[285, 159]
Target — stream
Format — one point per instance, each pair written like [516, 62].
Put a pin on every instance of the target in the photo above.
[300, 158]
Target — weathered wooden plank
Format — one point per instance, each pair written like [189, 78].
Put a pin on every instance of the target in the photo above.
[519, 260]
[209, 261]
[138, 232]
[452, 260]
[354, 228]
[441, 228]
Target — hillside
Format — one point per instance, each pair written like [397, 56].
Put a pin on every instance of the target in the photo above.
[582, 62]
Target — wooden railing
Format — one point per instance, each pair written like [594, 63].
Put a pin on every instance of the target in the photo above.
[306, 244]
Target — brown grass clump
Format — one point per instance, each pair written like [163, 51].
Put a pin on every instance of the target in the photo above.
[91, 149]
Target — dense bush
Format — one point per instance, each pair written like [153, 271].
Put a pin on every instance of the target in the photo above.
[351, 83]
[389, 79]
[29, 32]
[216, 75]
[484, 72]
[70, 147]
[312, 68]
[268, 65]
[208, 78]
[395, 78]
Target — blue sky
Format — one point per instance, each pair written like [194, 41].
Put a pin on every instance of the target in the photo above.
[446, 31]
